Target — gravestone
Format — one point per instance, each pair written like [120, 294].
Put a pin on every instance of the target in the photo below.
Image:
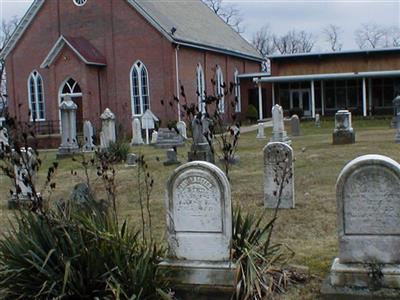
[317, 120]
[69, 143]
[148, 123]
[260, 131]
[107, 135]
[278, 131]
[169, 138]
[172, 158]
[199, 229]
[154, 136]
[295, 125]
[3, 138]
[88, 136]
[343, 132]
[131, 160]
[396, 111]
[368, 207]
[181, 126]
[136, 132]
[201, 149]
[397, 137]
[25, 176]
[278, 166]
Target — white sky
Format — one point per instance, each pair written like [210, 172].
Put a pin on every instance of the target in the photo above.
[284, 15]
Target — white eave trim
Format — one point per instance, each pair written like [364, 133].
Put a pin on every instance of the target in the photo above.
[21, 27]
[327, 76]
[55, 51]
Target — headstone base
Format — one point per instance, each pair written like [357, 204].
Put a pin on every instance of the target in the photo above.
[200, 280]
[360, 281]
[342, 137]
[285, 203]
[64, 152]
[171, 162]
[280, 137]
[201, 152]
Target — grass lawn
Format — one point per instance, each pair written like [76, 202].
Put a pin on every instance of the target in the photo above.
[309, 229]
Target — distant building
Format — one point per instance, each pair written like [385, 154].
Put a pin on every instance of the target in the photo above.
[364, 82]
[127, 55]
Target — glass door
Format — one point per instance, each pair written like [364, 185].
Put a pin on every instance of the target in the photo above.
[300, 98]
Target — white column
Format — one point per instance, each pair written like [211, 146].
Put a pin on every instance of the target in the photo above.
[312, 99]
[260, 104]
[323, 98]
[273, 94]
[370, 96]
[364, 96]
[177, 81]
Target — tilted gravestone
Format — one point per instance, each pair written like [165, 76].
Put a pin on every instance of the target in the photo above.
[199, 224]
[278, 130]
[88, 136]
[108, 133]
[368, 208]
[69, 143]
[136, 132]
[343, 132]
[278, 172]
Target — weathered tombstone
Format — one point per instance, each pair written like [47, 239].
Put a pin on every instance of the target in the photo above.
[69, 143]
[201, 149]
[181, 126]
[107, 135]
[278, 131]
[199, 228]
[396, 111]
[343, 132]
[3, 138]
[154, 136]
[169, 138]
[172, 158]
[25, 177]
[278, 170]
[131, 160]
[88, 136]
[317, 120]
[148, 123]
[368, 208]
[295, 125]
[136, 132]
[397, 137]
[260, 131]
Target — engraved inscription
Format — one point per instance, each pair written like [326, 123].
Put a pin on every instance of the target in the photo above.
[197, 205]
[371, 202]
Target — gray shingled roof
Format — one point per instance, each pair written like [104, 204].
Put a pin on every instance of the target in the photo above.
[197, 25]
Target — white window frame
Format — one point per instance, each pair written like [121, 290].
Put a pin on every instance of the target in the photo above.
[201, 88]
[219, 90]
[236, 90]
[80, 2]
[35, 75]
[61, 95]
[138, 66]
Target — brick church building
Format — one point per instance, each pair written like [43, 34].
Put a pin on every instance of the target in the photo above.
[126, 55]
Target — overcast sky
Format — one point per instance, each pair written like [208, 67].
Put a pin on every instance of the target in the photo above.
[284, 15]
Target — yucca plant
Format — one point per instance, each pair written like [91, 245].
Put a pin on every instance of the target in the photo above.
[79, 253]
[259, 262]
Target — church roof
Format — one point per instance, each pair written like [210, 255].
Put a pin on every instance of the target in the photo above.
[185, 22]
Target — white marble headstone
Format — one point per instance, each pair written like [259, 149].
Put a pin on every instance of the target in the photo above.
[278, 131]
[154, 137]
[260, 131]
[69, 141]
[108, 133]
[181, 126]
[199, 213]
[278, 157]
[88, 135]
[25, 173]
[3, 137]
[137, 138]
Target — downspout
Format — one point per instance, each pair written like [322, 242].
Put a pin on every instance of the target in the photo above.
[177, 81]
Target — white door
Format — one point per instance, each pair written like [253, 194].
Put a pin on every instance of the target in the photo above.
[300, 98]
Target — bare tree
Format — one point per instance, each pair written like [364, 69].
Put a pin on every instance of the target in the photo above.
[229, 13]
[263, 41]
[392, 37]
[294, 42]
[370, 35]
[6, 30]
[332, 35]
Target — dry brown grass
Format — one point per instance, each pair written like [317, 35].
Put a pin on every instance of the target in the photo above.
[309, 229]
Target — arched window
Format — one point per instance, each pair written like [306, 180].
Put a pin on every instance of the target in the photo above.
[219, 89]
[201, 88]
[72, 88]
[36, 96]
[139, 89]
[238, 106]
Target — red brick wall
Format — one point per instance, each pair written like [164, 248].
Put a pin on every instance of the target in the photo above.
[123, 36]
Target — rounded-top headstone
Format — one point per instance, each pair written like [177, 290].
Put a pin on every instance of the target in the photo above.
[199, 213]
[368, 200]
